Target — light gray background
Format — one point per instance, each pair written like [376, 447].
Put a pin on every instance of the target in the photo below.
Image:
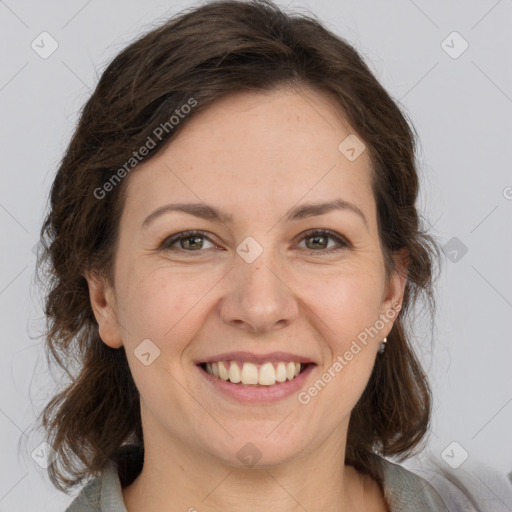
[462, 109]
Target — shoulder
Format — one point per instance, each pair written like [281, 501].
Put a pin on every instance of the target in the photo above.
[406, 491]
[475, 488]
[102, 494]
[88, 499]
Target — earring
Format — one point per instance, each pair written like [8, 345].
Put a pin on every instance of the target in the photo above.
[382, 346]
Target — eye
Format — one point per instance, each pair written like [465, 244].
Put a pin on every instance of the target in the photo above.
[193, 241]
[190, 241]
[320, 241]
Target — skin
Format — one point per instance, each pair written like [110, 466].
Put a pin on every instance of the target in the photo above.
[253, 155]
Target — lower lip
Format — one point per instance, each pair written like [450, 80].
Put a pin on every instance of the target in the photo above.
[256, 393]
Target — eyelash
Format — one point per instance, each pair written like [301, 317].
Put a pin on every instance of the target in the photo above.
[342, 241]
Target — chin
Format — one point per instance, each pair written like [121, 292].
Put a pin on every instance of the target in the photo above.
[258, 450]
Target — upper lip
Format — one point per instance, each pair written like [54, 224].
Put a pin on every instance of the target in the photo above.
[250, 357]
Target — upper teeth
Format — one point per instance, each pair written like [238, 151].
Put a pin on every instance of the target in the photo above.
[266, 374]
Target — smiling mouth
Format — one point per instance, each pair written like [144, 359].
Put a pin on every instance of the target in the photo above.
[246, 373]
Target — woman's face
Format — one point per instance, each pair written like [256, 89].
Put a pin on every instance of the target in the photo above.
[255, 288]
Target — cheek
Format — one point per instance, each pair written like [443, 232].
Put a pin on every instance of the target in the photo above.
[346, 307]
[160, 303]
[347, 303]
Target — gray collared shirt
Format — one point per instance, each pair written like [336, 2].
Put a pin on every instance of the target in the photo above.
[405, 492]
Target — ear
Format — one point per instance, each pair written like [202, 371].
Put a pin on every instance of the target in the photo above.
[394, 293]
[104, 307]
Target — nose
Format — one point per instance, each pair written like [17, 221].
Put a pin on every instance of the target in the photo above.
[259, 299]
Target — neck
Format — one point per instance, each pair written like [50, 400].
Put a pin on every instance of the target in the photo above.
[180, 478]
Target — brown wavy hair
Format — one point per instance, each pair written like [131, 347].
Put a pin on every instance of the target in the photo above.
[207, 52]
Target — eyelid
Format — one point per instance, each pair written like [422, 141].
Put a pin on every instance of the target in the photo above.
[314, 231]
[172, 239]
[341, 240]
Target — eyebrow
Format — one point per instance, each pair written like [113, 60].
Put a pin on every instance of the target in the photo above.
[207, 212]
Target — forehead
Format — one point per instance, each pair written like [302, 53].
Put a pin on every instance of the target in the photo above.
[256, 150]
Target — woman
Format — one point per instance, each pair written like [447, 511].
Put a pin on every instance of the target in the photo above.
[233, 248]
